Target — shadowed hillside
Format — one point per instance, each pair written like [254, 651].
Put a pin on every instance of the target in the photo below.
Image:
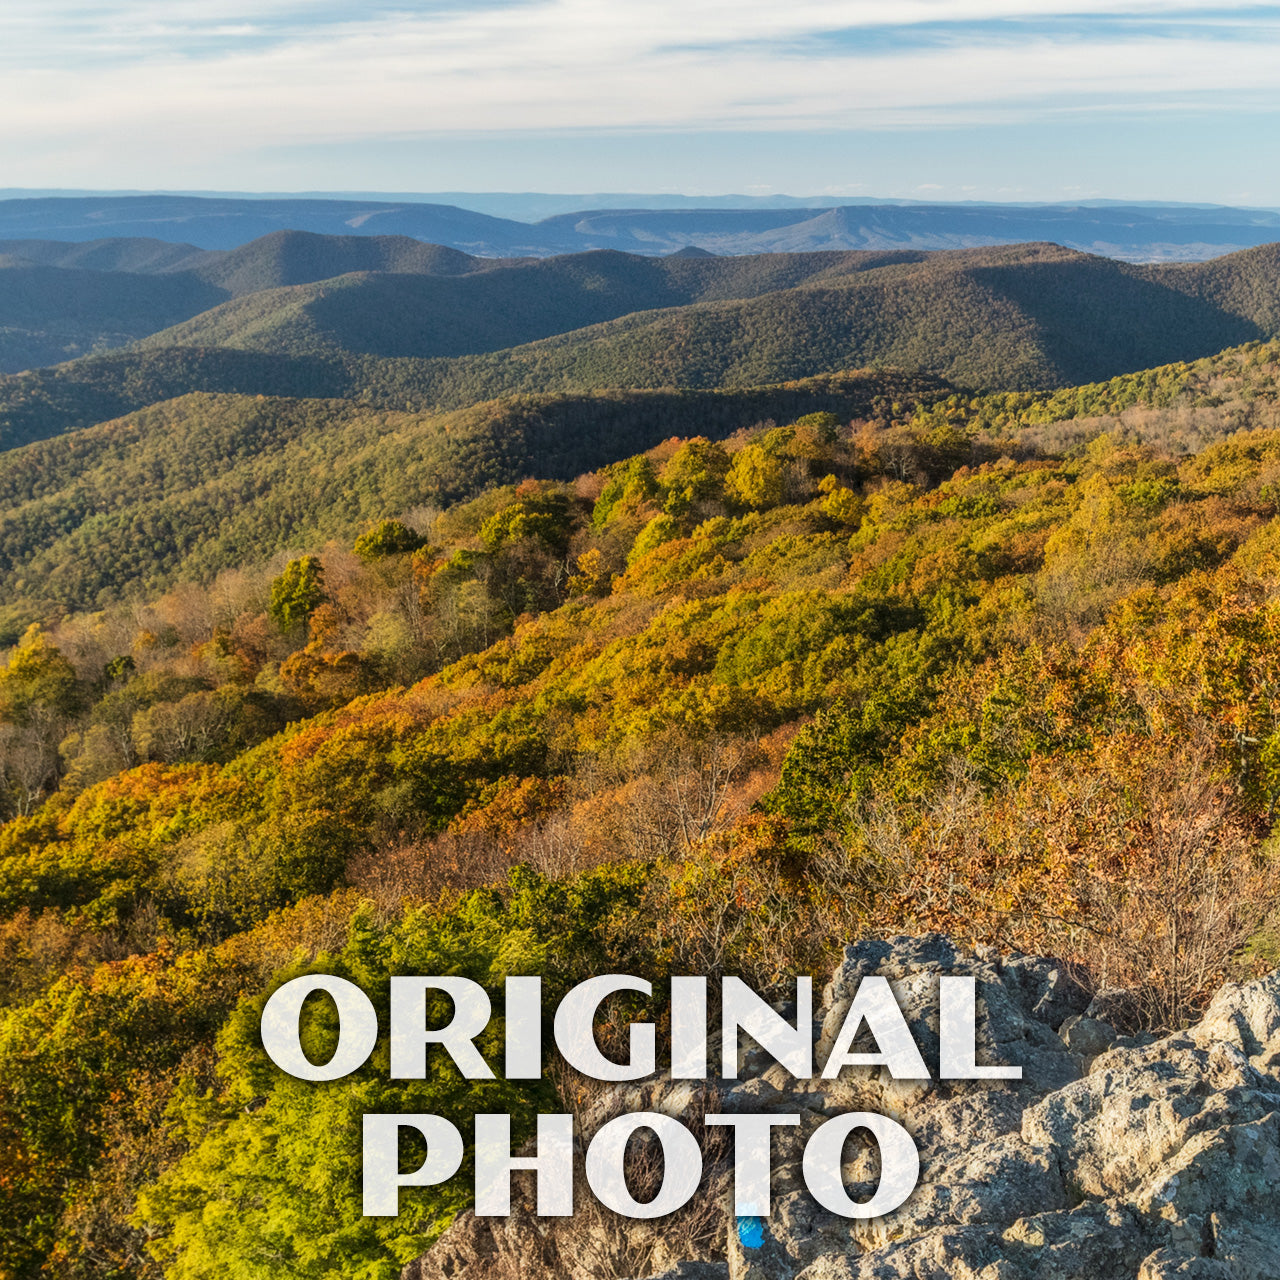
[1024, 317]
[1033, 315]
[299, 257]
[405, 309]
[193, 485]
[50, 314]
[122, 253]
[61, 300]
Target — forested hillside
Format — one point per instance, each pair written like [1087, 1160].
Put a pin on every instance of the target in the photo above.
[520, 302]
[52, 314]
[190, 486]
[123, 253]
[417, 327]
[60, 300]
[1001, 666]
[1026, 316]
[398, 310]
[281, 258]
[204, 482]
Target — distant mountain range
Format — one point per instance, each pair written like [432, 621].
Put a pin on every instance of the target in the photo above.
[1028, 315]
[523, 206]
[85, 275]
[541, 226]
[394, 323]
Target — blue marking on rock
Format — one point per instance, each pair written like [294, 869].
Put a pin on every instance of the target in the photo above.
[751, 1232]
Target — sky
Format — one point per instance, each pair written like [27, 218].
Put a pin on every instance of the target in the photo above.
[918, 99]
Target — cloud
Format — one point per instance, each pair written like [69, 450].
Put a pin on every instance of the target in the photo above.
[230, 75]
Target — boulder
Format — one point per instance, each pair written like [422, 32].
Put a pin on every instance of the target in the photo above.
[1117, 1156]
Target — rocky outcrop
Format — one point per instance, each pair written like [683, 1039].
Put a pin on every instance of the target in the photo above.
[1115, 1156]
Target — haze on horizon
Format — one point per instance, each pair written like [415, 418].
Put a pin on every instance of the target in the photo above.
[997, 100]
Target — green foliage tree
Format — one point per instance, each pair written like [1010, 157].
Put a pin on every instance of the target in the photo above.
[387, 538]
[297, 593]
[659, 530]
[225, 1206]
[119, 668]
[37, 678]
[695, 473]
[67, 1059]
[544, 517]
[630, 484]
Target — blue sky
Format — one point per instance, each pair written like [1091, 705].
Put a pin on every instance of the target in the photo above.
[924, 99]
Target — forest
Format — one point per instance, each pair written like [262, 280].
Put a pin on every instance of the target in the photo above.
[422, 329]
[729, 681]
[1020, 316]
[205, 482]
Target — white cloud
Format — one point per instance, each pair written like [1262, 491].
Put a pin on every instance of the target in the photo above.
[226, 75]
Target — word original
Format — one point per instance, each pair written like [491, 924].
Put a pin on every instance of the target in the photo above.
[742, 1010]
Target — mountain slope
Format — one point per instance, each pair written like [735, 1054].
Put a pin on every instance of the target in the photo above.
[182, 489]
[42, 403]
[49, 314]
[295, 293]
[60, 300]
[280, 258]
[485, 307]
[205, 482]
[1028, 315]
[1019, 317]
[988, 706]
[1245, 284]
[1042, 314]
[300, 257]
[133, 254]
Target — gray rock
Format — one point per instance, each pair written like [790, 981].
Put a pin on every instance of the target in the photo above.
[1052, 990]
[995, 1183]
[1021, 1002]
[756, 1094]
[1116, 1157]
[1094, 1240]
[1249, 1017]
[943, 1254]
[1165, 1264]
[1139, 1107]
[1087, 1037]
[962, 1123]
